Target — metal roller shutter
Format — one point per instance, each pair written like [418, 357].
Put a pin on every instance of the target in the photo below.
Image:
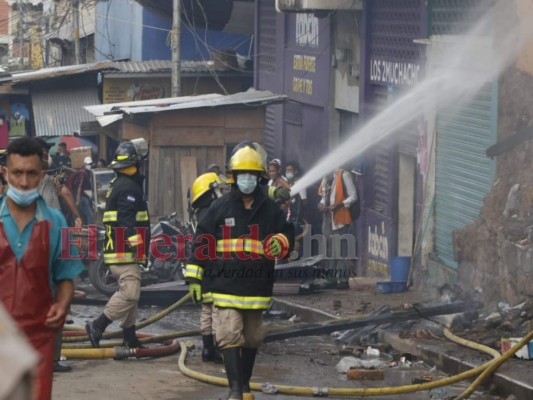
[464, 174]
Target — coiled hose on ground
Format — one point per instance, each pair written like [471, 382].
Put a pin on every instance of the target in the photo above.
[83, 351]
[483, 371]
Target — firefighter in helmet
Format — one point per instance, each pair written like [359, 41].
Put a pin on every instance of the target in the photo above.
[127, 241]
[280, 194]
[245, 232]
[205, 189]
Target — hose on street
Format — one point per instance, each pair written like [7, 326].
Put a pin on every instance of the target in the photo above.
[482, 371]
[171, 346]
[120, 353]
[494, 366]
[118, 333]
[143, 338]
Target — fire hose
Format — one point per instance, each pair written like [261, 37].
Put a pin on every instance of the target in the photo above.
[482, 372]
[118, 333]
[172, 346]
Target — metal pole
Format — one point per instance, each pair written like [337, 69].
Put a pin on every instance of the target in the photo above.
[76, 28]
[176, 57]
[20, 29]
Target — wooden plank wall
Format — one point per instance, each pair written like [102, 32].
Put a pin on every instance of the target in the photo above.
[203, 134]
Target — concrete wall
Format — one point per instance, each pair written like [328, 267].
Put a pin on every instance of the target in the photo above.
[119, 34]
[488, 251]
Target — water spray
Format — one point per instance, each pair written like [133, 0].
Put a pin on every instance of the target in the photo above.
[460, 67]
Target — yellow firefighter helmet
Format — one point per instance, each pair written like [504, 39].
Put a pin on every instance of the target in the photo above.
[245, 159]
[204, 183]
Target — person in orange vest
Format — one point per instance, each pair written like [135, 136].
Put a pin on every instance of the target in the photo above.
[338, 193]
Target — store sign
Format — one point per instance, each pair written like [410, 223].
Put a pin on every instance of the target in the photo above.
[123, 90]
[307, 53]
[306, 30]
[394, 73]
[378, 250]
[306, 64]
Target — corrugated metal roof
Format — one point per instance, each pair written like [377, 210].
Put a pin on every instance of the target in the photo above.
[150, 66]
[133, 67]
[47, 73]
[115, 67]
[180, 103]
[60, 112]
[101, 109]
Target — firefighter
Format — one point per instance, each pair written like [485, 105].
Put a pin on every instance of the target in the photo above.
[234, 253]
[278, 194]
[205, 189]
[127, 242]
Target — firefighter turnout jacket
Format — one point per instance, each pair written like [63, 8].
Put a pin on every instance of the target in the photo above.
[126, 222]
[227, 253]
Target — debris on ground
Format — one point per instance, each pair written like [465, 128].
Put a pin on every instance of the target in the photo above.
[366, 374]
[347, 363]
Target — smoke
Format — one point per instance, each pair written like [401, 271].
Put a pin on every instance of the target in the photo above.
[459, 67]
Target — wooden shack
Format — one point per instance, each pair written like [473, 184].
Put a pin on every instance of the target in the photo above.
[186, 136]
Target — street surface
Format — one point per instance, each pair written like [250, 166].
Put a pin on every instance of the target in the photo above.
[306, 361]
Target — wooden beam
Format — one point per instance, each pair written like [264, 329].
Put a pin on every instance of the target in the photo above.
[188, 136]
[153, 181]
[192, 117]
[131, 130]
[188, 175]
[345, 324]
[234, 136]
[245, 118]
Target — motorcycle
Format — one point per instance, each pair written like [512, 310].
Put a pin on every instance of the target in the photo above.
[169, 251]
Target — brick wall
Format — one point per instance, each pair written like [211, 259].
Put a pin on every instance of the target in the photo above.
[4, 17]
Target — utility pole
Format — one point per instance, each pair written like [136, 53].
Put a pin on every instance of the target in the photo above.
[20, 29]
[76, 27]
[176, 57]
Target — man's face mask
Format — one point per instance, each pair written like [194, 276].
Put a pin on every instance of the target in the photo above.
[246, 183]
[23, 198]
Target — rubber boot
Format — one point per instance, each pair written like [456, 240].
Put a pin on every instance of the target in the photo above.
[233, 365]
[248, 361]
[95, 329]
[218, 355]
[208, 352]
[130, 338]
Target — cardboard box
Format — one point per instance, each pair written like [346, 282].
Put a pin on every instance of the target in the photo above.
[78, 154]
[525, 353]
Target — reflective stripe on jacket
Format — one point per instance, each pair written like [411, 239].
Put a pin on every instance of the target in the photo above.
[127, 223]
[236, 272]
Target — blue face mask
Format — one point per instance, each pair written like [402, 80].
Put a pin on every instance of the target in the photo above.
[246, 183]
[22, 198]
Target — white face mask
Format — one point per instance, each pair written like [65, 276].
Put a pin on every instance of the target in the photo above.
[23, 198]
[246, 183]
[289, 175]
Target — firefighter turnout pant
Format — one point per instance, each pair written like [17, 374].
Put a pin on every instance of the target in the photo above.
[238, 328]
[123, 304]
[208, 319]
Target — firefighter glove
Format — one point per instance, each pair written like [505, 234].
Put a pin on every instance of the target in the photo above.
[273, 247]
[195, 289]
[282, 194]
